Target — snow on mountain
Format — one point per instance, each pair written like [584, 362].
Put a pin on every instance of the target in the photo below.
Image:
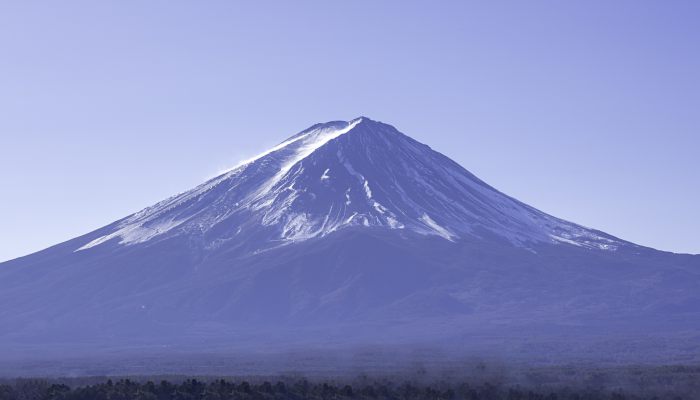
[336, 175]
[345, 233]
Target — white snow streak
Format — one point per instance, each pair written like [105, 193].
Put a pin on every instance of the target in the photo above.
[316, 139]
[264, 153]
[368, 191]
[131, 234]
[437, 228]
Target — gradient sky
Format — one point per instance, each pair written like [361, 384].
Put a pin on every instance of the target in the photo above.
[587, 110]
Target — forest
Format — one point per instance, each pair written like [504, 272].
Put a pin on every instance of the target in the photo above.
[299, 389]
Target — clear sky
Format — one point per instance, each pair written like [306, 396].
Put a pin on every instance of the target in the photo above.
[588, 110]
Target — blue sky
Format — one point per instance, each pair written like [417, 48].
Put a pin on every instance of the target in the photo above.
[587, 110]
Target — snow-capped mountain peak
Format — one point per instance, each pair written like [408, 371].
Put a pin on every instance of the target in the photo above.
[358, 174]
[346, 227]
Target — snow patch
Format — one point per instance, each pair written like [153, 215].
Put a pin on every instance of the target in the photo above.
[559, 239]
[368, 191]
[349, 220]
[394, 224]
[135, 233]
[439, 230]
[298, 227]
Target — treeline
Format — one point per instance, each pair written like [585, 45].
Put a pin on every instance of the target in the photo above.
[221, 389]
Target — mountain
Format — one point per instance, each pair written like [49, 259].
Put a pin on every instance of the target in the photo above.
[349, 234]
[323, 180]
